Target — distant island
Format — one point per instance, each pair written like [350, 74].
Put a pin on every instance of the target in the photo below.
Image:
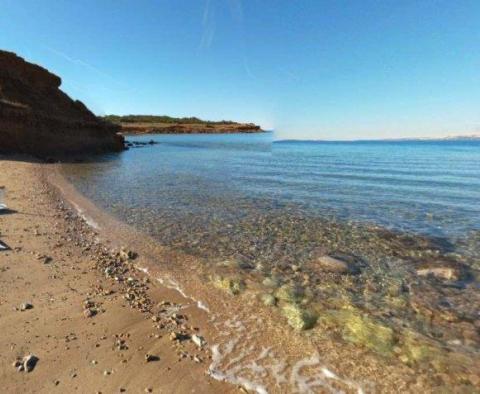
[161, 124]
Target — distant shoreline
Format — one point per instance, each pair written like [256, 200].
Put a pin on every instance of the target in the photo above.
[400, 140]
[153, 124]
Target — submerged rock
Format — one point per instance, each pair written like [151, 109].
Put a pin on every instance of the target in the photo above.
[298, 317]
[446, 273]
[268, 299]
[361, 330]
[332, 264]
[290, 293]
[233, 286]
[272, 282]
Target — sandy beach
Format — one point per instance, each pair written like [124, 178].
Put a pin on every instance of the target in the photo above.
[87, 334]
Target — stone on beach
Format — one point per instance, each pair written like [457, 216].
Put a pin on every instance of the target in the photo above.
[27, 364]
[198, 340]
[25, 306]
[150, 357]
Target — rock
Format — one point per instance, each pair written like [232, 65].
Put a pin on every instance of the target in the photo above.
[89, 312]
[37, 118]
[18, 365]
[198, 340]
[290, 293]
[271, 282]
[232, 285]
[360, 329]
[332, 264]
[268, 299]
[174, 336]
[126, 254]
[25, 306]
[109, 271]
[150, 357]
[298, 317]
[445, 273]
[29, 362]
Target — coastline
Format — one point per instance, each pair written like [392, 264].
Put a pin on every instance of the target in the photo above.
[246, 344]
[144, 129]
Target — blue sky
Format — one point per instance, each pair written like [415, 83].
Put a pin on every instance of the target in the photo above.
[310, 69]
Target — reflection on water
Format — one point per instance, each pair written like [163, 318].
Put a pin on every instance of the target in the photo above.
[403, 216]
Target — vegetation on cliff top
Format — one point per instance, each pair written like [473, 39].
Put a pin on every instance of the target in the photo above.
[161, 119]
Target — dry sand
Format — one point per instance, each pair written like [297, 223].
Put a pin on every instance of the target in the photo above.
[78, 353]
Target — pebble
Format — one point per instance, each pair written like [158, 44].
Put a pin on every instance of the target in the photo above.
[198, 340]
[89, 312]
[25, 306]
[151, 357]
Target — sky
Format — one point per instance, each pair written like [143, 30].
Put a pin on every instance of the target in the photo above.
[307, 69]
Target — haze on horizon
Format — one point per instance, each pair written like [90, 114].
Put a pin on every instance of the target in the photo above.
[308, 69]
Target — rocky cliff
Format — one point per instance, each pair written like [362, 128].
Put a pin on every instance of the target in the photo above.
[37, 118]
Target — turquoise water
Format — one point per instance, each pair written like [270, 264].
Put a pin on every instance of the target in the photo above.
[424, 187]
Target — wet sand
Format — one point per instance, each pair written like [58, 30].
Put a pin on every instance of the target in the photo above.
[249, 344]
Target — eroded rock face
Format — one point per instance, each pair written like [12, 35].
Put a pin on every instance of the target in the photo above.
[37, 118]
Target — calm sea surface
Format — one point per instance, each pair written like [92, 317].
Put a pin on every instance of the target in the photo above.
[424, 187]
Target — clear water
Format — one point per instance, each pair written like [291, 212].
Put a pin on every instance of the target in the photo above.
[263, 211]
[425, 187]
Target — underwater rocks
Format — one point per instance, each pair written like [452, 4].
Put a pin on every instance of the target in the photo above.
[331, 264]
[232, 285]
[446, 273]
[268, 299]
[299, 317]
[360, 330]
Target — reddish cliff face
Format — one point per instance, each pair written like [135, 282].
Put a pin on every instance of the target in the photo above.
[36, 117]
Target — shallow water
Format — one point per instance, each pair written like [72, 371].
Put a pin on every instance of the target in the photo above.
[261, 210]
[427, 187]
